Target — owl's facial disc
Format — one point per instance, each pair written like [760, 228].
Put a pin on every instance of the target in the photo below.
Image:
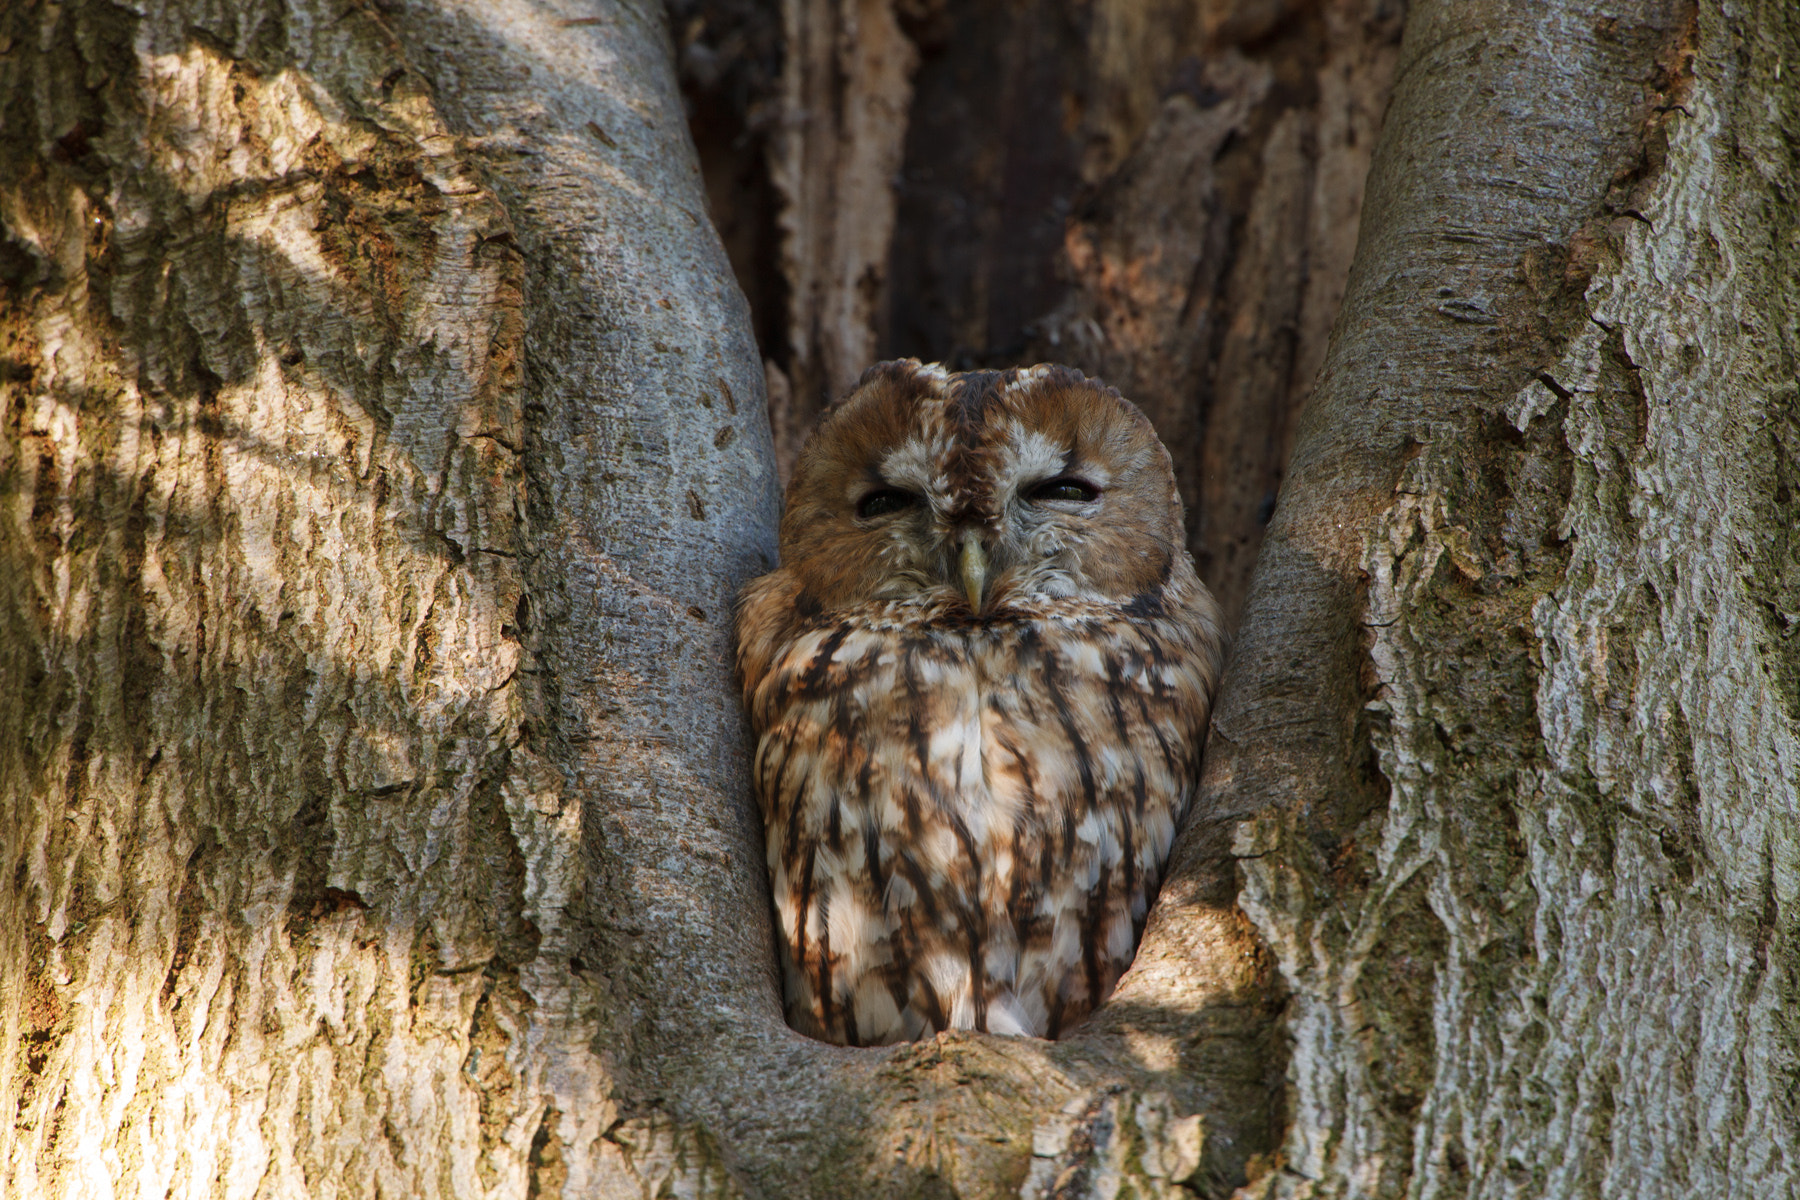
[976, 563]
[989, 489]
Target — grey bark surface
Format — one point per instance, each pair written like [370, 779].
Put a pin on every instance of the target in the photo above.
[383, 442]
[379, 473]
[1535, 901]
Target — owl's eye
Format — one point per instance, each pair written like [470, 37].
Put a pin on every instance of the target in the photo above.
[1064, 487]
[881, 503]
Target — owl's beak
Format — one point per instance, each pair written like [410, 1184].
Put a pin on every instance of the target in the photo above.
[972, 566]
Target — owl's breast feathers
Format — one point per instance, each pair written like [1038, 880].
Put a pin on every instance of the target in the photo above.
[967, 819]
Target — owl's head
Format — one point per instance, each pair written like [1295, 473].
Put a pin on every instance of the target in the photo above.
[999, 488]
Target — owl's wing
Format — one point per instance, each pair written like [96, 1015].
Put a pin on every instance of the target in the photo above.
[768, 620]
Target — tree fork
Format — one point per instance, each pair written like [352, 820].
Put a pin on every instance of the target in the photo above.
[384, 443]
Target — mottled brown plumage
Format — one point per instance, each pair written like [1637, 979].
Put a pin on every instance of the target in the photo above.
[980, 681]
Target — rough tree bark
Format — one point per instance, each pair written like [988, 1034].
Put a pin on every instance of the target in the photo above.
[383, 443]
[352, 414]
[1520, 662]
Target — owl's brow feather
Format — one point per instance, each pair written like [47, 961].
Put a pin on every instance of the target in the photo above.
[972, 393]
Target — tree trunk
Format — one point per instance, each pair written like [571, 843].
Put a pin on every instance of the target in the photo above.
[1517, 686]
[383, 446]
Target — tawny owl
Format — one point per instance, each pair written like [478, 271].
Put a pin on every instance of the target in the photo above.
[979, 680]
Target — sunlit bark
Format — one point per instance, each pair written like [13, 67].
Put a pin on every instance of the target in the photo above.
[383, 442]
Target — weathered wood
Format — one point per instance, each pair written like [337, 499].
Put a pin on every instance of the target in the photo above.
[1161, 193]
[1204, 268]
[846, 87]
